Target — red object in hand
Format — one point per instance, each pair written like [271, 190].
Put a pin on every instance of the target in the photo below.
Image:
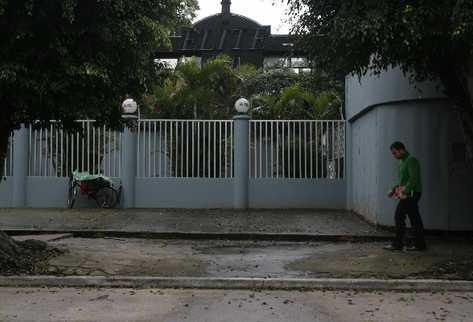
[399, 193]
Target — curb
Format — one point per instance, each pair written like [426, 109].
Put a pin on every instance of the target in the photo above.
[237, 283]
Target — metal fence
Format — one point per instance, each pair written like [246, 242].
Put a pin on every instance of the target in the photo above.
[305, 149]
[56, 153]
[300, 149]
[185, 148]
[7, 163]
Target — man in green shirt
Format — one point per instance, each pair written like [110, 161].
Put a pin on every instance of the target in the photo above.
[408, 189]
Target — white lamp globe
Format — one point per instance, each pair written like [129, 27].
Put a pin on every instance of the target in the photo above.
[129, 106]
[242, 105]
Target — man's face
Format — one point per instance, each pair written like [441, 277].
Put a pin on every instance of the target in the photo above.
[397, 153]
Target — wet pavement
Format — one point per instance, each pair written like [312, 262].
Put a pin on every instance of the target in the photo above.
[258, 259]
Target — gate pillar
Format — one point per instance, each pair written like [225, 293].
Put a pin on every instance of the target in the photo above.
[241, 162]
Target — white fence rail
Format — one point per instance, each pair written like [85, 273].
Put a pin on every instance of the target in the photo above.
[56, 153]
[185, 148]
[307, 149]
[7, 163]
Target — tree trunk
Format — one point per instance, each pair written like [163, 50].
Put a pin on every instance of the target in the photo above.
[458, 83]
[16, 256]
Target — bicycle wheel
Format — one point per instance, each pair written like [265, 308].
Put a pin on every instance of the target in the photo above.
[73, 192]
[106, 197]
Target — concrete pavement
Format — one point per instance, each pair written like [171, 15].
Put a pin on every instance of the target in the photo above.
[275, 223]
[117, 305]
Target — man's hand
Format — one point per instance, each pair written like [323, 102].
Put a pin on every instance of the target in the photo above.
[391, 193]
[400, 193]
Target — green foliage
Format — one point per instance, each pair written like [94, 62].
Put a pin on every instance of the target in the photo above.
[429, 40]
[75, 59]
[210, 91]
[420, 36]
[70, 59]
[192, 91]
[295, 102]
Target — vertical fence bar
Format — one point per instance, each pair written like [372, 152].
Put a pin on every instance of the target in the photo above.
[333, 147]
[311, 164]
[209, 173]
[46, 152]
[182, 149]
[161, 150]
[108, 136]
[171, 164]
[12, 150]
[149, 149]
[283, 155]
[300, 150]
[277, 149]
[93, 149]
[62, 153]
[204, 150]
[119, 149]
[176, 170]
[71, 135]
[104, 151]
[115, 152]
[35, 140]
[232, 150]
[46, 145]
[317, 149]
[215, 149]
[198, 149]
[226, 147]
[88, 146]
[220, 149]
[193, 149]
[167, 157]
[154, 148]
[40, 154]
[289, 173]
[78, 164]
[138, 149]
[187, 149]
[83, 147]
[30, 151]
[294, 149]
[68, 171]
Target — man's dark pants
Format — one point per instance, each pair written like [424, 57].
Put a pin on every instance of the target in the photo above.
[409, 207]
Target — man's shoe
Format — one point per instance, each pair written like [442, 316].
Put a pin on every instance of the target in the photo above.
[416, 249]
[392, 248]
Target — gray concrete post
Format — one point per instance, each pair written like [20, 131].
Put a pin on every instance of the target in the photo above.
[129, 167]
[241, 162]
[20, 166]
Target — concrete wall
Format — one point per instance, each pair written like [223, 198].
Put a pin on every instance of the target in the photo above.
[218, 193]
[183, 193]
[51, 192]
[297, 193]
[6, 192]
[388, 108]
